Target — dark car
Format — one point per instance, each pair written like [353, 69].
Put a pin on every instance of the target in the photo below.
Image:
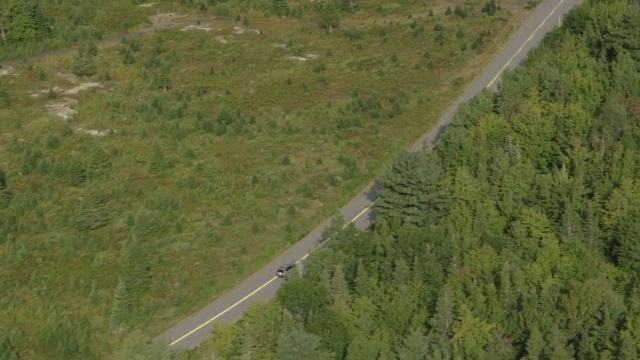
[284, 269]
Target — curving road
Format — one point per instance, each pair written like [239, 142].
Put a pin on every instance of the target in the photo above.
[262, 285]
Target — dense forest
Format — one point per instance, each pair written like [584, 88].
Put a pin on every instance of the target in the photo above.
[517, 237]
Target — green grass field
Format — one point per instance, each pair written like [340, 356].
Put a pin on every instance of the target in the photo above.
[267, 126]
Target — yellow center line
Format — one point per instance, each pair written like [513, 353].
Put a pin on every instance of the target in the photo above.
[268, 282]
[525, 43]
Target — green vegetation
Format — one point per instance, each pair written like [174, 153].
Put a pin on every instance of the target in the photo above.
[517, 237]
[176, 162]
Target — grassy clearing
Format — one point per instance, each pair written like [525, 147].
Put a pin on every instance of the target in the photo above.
[266, 127]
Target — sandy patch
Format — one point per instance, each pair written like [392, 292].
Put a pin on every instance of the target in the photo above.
[6, 70]
[238, 30]
[146, 5]
[37, 93]
[63, 109]
[303, 58]
[280, 46]
[196, 27]
[299, 58]
[223, 39]
[94, 132]
[81, 87]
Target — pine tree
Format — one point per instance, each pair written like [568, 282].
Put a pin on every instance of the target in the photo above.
[77, 172]
[410, 191]
[339, 288]
[158, 162]
[163, 78]
[5, 194]
[137, 276]
[329, 15]
[414, 347]
[297, 344]
[490, 7]
[84, 64]
[92, 214]
[279, 7]
[121, 310]
[100, 165]
[7, 351]
[92, 49]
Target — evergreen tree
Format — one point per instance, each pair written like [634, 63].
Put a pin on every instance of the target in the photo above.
[279, 7]
[297, 344]
[92, 49]
[137, 276]
[122, 302]
[136, 346]
[5, 194]
[84, 64]
[329, 15]
[339, 287]
[100, 165]
[22, 26]
[410, 193]
[490, 7]
[163, 77]
[7, 351]
[92, 214]
[158, 162]
[77, 172]
[415, 346]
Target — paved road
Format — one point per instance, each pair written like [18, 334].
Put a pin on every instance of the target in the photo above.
[262, 285]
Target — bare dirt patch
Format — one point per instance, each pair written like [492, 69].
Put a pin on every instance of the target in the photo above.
[303, 58]
[64, 108]
[196, 27]
[81, 87]
[94, 132]
[6, 70]
[223, 39]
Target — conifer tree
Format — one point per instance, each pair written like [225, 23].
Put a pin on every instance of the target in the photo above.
[297, 344]
[92, 214]
[158, 162]
[7, 351]
[410, 191]
[5, 194]
[279, 7]
[137, 276]
[84, 64]
[100, 164]
[121, 310]
[163, 78]
[77, 172]
[339, 287]
[329, 15]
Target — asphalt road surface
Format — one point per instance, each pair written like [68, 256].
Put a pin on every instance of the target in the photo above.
[263, 284]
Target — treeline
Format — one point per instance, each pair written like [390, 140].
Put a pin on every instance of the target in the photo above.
[518, 236]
